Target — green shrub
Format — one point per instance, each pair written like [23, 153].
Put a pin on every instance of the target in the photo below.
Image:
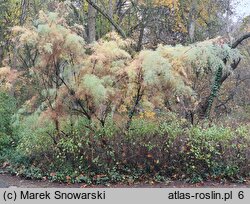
[160, 149]
[35, 136]
[7, 109]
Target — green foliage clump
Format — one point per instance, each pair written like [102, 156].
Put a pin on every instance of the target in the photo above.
[94, 87]
[163, 148]
[219, 150]
[7, 109]
[7, 139]
[35, 136]
[97, 114]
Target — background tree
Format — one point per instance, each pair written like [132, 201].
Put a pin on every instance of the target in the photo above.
[81, 103]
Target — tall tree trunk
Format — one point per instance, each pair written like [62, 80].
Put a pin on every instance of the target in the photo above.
[214, 91]
[1, 55]
[192, 16]
[228, 23]
[191, 30]
[111, 13]
[91, 23]
[24, 7]
[139, 43]
[80, 15]
[142, 27]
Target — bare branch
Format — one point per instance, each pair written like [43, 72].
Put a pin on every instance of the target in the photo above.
[239, 40]
[234, 65]
[109, 18]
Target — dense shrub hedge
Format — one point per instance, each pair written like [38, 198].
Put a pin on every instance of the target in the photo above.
[158, 149]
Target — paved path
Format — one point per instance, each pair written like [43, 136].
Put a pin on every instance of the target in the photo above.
[3, 184]
[14, 181]
[7, 181]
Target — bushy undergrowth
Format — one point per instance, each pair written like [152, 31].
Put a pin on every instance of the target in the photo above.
[151, 149]
[7, 108]
[97, 113]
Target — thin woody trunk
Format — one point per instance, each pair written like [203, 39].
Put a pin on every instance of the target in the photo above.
[24, 6]
[91, 24]
[1, 55]
[111, 13]
[137, 100]
[204, 107]
[139, 44]
[191, 26]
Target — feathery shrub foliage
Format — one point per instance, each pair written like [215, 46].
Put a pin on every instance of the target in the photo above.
[107, 79]
[100, 112]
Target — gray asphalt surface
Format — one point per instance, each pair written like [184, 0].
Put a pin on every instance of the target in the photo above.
[3, 184]
[7, 181]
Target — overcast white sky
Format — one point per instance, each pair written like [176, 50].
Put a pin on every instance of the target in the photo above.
[242, 8]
